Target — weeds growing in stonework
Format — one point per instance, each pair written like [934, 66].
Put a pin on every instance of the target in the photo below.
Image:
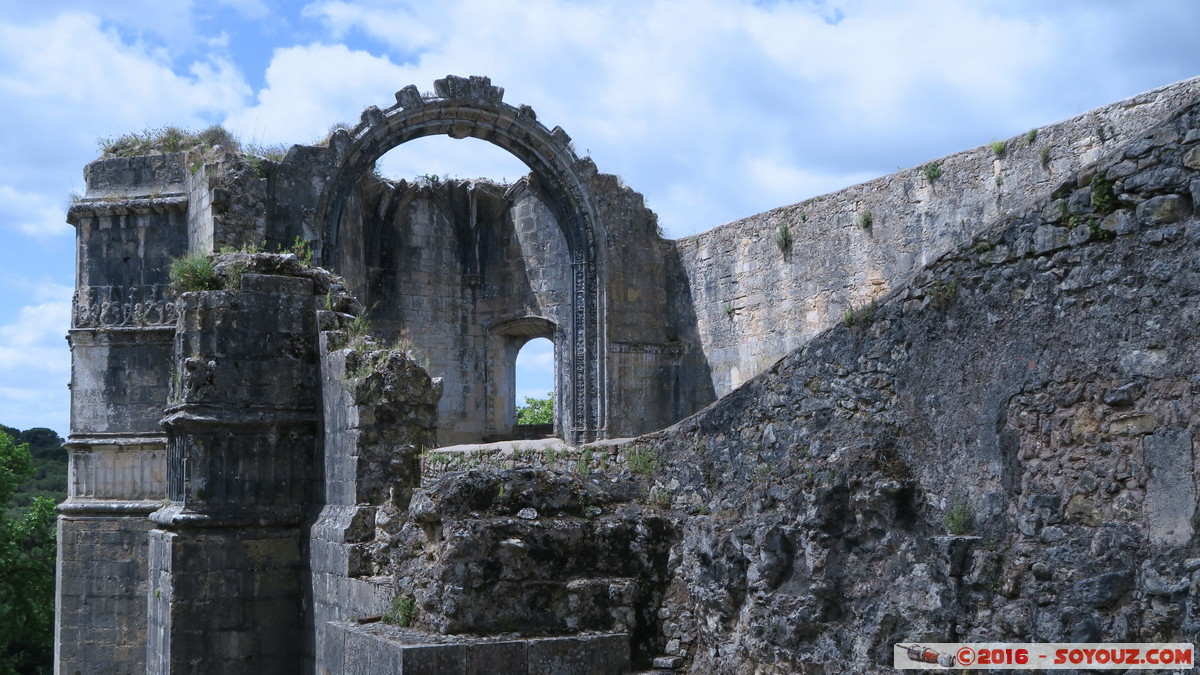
[941, 293]
[933, 171]
[193, 272]
[303, 250]
[274, 153]
[860, 316]
[643, 461]
[1031, 136]
[866, 219]
[1045, 156]
[998, 147]
[584, 463]
[403, 611]
[783, 238]
[660, 498]
[1104, 196]
[168, 139]
[959, 517]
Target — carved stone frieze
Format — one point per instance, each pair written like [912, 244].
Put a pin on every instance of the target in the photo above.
[111, 307]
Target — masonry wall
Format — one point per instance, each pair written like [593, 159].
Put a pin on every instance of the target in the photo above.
[375, 429]
[754, 302]
[470, 272]
[225, 568]
[130, 223]
[1005, 450]
[448, 267]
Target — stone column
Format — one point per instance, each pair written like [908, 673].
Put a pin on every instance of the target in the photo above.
[225, 558]
[128, 227]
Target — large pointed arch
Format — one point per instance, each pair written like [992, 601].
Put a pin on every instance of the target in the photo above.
[473, 107]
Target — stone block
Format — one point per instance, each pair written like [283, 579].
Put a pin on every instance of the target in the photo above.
[331, 648]
[484, 658]
[1163, 209]
[1192, 158]
[449, 659]
[598, 654]
[1170, 506]
[1104, 590]
[1049, 238]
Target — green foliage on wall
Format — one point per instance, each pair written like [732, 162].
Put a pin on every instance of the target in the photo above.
[193, 272]
[933, 171]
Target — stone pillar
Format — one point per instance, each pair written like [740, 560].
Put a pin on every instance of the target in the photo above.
[380, 412]
[225, 558]
[128, 227]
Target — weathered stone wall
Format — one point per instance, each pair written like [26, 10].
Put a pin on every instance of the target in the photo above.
[1004, 450]
[225, 567]
[379, 414]
[129, 224]
[466, 272]
[754, 302]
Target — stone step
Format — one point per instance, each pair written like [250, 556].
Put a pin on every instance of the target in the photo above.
[380, 648]
[547, 453]
[667, 662]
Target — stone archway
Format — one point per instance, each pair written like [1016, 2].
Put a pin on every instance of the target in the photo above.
[473, 107]
[505, 341]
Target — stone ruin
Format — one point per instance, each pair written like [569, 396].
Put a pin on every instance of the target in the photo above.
[956, 403]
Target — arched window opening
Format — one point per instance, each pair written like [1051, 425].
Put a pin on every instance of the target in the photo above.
[535, 390]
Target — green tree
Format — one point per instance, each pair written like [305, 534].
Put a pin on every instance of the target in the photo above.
[49, 463]
[536, 410]
[27, 550]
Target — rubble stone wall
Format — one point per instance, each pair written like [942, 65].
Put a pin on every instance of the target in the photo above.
[1004, 450]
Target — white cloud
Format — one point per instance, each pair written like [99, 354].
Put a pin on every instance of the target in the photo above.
[448, 157]
[32, 213]
[68, 81]
[780, 181]
[35, 339]
[684, 97]
[310, 88]
[251, 9]
[74, 62]
[394, 25]
[34, 362]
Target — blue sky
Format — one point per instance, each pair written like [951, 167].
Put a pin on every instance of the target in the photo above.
[713, 109]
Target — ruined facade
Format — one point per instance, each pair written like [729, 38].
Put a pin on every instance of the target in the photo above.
[252, 475]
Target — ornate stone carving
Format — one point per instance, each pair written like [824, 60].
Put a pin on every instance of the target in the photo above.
[673, 348]
[197, 378]
[116, 307]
